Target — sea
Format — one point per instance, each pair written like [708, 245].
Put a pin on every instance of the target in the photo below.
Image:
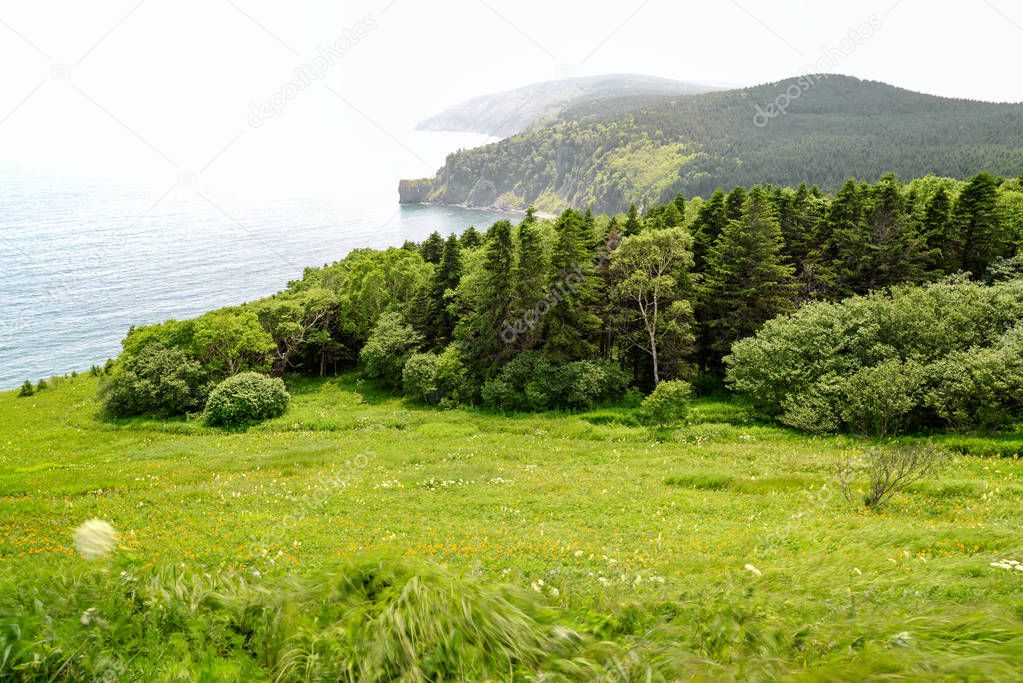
[83, 259]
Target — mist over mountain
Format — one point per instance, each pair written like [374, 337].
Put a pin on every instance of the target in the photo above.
[513, 111]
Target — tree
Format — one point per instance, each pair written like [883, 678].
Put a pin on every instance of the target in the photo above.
[441, 320]
[710, 221]
[735, 203]
[940, 234]
[571, 325]
[981, 238]
[470, 239]
[747, 282]
[392, 342]
[528, 284]
[486, 331]
[632, 223]
[432, 248]
[294, 319]
[231, 340]
[650, 282]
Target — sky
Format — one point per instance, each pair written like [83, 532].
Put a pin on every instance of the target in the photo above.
[204, 91]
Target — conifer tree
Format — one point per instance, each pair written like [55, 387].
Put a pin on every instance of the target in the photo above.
[980, 235]
[482, 331]
[441, 319]
[735, 203]
[432, 248]
[470, 239]
[710, 221]
[571, 325]
[940, 233]
[747, 281]
[632, 224]
[528, 286]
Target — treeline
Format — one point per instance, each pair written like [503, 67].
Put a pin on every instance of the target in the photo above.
[574, 311]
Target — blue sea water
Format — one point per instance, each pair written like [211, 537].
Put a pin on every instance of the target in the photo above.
[82, 261]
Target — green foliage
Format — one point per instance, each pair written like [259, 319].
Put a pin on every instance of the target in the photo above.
[651, 283]
[943, 354]
[41, 385]
[668, 403]
[436, 379]
[26, 389]
[530, 382]
[154, 380]
[747, 281]
[389, 346]
[246, 399]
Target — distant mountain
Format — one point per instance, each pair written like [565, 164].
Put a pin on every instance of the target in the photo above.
[605, 154]
[507, 113]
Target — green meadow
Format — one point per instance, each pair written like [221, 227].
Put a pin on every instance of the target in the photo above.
[721, 549]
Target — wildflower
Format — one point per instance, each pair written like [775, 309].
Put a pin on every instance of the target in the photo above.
[902, 639]
[95, 539]
[90, 617]
[754, 570]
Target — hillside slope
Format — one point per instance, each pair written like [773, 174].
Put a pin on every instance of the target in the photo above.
[513, 111]
[596, 156]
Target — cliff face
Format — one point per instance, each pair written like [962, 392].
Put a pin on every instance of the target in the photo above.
[415, 191]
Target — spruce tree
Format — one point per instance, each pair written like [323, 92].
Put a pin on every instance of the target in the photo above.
[470, 239]
[571, 325]
[981, 238]
[483, 333]
[432, 248]
[441, 319]
[735, 203]
[940, 233]
[747, 281]
[528, 286]
[632, 224]
[710, 221]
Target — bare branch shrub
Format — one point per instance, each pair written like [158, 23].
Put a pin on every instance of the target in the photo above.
[890, 470]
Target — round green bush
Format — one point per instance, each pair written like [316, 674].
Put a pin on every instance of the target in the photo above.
[246, 398]
[668, 403]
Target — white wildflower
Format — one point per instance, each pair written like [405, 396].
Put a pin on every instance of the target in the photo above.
[95, 539]
[90, 617]
[752, 569]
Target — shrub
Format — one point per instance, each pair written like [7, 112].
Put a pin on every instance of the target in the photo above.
[41, 384]
[26, 389]
[883, 363]
[979, 389]
[891, 471]
[156, 380]
[529, 382]
[878, 400]
[419, 378]
[245, 399]
[435, 378]
[389, 346]
[668, 403]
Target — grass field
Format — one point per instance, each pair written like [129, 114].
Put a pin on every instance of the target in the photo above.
[724, 545]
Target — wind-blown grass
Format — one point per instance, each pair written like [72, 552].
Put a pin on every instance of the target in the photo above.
[503, 547]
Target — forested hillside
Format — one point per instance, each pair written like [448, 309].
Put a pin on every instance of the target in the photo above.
[513, 111]
[596, 157]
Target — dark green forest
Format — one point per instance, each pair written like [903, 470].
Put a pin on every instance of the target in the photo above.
[584, 309]
[813, 129]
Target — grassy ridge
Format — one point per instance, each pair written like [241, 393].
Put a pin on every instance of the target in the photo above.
[628, 536]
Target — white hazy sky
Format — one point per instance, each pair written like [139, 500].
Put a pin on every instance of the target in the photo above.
[163, 88]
